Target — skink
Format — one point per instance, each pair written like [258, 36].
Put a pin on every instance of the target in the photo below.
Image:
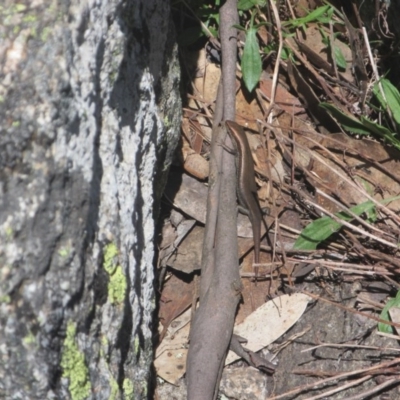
[246, 185]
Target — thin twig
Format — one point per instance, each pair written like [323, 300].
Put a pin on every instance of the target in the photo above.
[348, 211]
[339, 389]
[336, 377]
[277, 62]
[389, 335]
[343, 177]
[350, 346]
[376, 389]
[350, 310]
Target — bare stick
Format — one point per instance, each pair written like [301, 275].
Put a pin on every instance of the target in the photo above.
[220, 288]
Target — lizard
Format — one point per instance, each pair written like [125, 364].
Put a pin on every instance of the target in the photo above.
[246, 185]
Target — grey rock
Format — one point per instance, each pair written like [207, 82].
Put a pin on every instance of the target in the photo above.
[89, 120]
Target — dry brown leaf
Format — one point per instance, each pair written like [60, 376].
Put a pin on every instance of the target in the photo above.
[176, 297]
[247, 112]
[348, 151]
[187, 258]
[314, 42]
[173, 233]
[188, 195]
[207, 82]
[196, 165]
[283, 99]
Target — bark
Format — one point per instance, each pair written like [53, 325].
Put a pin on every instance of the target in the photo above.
[89, 120]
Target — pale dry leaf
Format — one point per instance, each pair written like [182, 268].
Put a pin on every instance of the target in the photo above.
[171, 365]
[170, 362]
[177, 334]
[269, 322]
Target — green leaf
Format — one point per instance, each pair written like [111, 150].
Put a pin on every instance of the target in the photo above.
[339, 57]
[337, 53]
[240, 27]
[262, 24]
[313, 234]
[214, 32]
[251, 60]
[320, 229]
[362, 127]
[316, 15]
[385, 314]
[349, 123]
[392, 96]
[380, 130]
[286, 53]
[247, 4]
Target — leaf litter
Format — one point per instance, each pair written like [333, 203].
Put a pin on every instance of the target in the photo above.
[331, 201]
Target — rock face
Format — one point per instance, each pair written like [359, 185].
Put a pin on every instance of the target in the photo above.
[89, 119]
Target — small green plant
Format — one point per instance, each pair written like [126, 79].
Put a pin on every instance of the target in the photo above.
[389, 99]
[201, 20]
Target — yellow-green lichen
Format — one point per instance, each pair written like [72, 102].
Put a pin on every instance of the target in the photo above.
[167, 122]
[29, 339]
[74, 367]
[9, 233]
[110, 254]
[19, 7]
[117, 283]
[5, 299]
[136, 344]
[29, 18]
[104, 341]
[128, 389]
[114, 388]
[64, 252]
[45, 34]
[117, 286]
[144, 387]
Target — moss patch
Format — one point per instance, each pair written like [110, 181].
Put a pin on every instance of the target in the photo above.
[74, 367]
